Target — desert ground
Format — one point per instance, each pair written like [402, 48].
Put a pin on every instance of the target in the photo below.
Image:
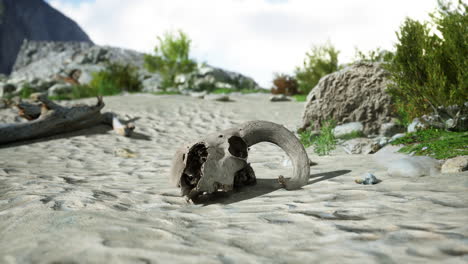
[93, 196]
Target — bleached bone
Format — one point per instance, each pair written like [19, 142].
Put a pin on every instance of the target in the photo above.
[219, 161]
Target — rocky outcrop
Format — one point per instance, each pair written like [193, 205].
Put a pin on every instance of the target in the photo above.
[354, 94]
[77, 60]
[41, 64]
[208, 78]
[32, 20]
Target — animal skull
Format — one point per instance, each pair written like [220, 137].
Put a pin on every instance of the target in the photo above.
[219, 161]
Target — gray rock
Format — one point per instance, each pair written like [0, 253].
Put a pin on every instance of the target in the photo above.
[279, 98]
[348, 128]
[414, 167]
[455, 165]
[368, 179]
[382, 141]
[86, 72]
[217, 97]
[391, 128]
[446, 118]
[360, 146]
[152, 84]
[354, 94]
[32, 20]
[207, 78]
[60, 89]
[6, 89]
[416, 125]
[199, 95]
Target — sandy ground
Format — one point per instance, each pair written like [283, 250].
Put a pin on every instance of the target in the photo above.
[72, 199]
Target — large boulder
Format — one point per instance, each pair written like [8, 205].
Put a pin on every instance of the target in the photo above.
[354, 94]
[32, 20]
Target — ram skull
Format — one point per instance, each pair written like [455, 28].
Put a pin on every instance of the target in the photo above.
[218, 162]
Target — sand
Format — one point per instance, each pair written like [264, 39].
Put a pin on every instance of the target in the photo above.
[95, 197]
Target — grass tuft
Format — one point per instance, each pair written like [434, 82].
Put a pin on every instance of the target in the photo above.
[436, 143]
[300, 97]
[323, 143]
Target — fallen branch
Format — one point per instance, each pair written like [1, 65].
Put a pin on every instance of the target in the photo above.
[49, 118]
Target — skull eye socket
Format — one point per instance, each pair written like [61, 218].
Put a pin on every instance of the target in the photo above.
[237, 147]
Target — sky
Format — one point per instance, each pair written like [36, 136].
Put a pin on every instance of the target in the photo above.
[254, 37]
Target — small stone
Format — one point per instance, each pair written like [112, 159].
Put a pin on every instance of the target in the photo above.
[360, 146]
[7, 89]
[348, 128]
[390, 129]
[368, 180]
[454, 165]
[279, 98]
[217, 97]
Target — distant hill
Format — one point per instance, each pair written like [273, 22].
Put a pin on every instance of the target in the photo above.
[32, 20]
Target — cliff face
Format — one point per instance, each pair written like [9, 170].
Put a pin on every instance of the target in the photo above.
[32, 20]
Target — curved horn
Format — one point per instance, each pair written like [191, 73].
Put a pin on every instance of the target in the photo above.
[254, 132]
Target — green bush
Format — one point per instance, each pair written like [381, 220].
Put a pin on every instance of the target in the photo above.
[171, 57]
[322, 60]
[430, 69]
[114, 79]
[284, 84]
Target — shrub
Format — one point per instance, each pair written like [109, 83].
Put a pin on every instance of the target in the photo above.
[114, 79]
[429, 69]
[376, 55]
[322, 60]
[171, 58]
[284, 84]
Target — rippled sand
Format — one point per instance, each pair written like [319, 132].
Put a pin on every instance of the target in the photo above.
[76, 198]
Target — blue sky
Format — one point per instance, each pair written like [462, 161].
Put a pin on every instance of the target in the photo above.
[254, 37]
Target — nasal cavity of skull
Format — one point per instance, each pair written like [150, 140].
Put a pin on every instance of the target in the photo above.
[237, 147]
[195, 159]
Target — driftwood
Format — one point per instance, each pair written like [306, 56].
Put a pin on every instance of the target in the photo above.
[49, 118]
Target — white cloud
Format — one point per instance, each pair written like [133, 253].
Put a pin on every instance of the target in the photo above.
[253, 37]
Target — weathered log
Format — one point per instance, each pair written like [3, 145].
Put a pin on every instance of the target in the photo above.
[54, 119]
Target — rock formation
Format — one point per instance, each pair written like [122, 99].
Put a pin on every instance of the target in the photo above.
[354, 94]
[41, 64]
[48, 61]
[32, 20]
